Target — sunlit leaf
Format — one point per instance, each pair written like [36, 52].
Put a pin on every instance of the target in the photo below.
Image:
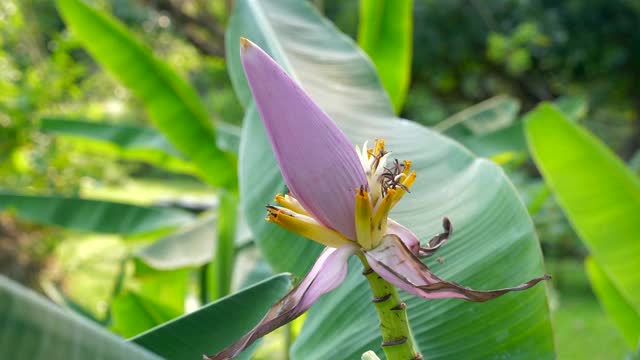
[385, 33]
[625, 316]
[494, 244]
[172, 104]
[150, 298]
[599, 194]
[133, 314]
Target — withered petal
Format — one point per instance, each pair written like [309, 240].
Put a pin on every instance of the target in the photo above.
[413, 243]
[437, 241]
[394, 262]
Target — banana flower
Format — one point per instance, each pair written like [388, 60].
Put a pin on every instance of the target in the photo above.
[340, 196]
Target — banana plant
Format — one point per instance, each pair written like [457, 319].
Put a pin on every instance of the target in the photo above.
[495, 246]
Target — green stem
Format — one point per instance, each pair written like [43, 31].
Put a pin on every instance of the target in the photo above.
[204, 284]
[288, 340]
[397, 341]
[225, 252]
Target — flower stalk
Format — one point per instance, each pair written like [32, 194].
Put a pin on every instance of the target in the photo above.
[397, 340]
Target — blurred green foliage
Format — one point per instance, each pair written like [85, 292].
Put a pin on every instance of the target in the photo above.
[32, 54]
[45, 72]
[385, 33]
[467, 51]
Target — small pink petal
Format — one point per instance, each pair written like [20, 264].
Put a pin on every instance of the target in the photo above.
[413, 243]
[319, 164]
[407, 236]
[327, 273]
[398, 265]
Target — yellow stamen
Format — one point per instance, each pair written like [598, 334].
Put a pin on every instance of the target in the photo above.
[407, 167]
[379, 146]
[363, 219]
[305, 226]
[407, 182]
[379, 223]
[290, 203]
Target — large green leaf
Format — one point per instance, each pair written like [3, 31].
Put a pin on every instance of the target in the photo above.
[385, 33]
[599, 194]
[93, 215]
[494, 244]
[172, 104]
[216, 325]
[626, 318]
[33, 328]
